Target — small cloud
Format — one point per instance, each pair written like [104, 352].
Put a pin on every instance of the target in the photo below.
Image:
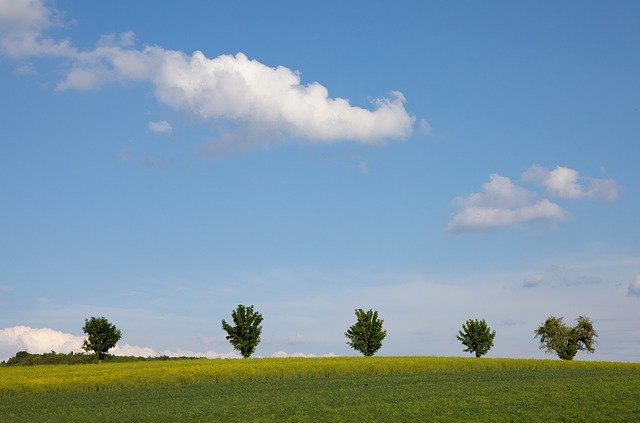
[363, 168]
[567, 183]
[634, 288]
[160, 127]
[157, 164]
[24, 69]
[133, 350]
[584, 280]
[125, 154]
[605, 190]
[295, 339]
[283, 354]
[424, 127]
[532, 281]
[179, 352]
[502, 204]
[125, 39]
[511, 322]
[5, 288]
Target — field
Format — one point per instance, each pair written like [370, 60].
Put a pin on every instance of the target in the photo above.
[324, 389]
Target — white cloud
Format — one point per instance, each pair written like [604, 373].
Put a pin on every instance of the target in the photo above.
[21, 25]
[266, 102]
[36, 341]
[634, 288]
[5, 288]
[133, 350]
[603, 189]
[567, 183]
[162, 127]
[42, 340]
[502, 204]
[178, 352]
[283, 354]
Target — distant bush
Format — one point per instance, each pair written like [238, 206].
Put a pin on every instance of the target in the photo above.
[23, 358]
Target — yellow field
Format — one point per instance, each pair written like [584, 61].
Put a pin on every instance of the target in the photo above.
[90, 377]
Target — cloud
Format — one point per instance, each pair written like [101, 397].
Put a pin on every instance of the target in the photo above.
[567, 183]
[425, 127]
[283, 354]
[533, 280]
[5, 288]
[36, 341]
[634, 288]
[161, 127]
[22, 23]
[43, 340]
[502, 204]
[295, 339]
[265, 102]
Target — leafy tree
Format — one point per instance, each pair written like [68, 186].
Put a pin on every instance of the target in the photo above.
[102, 336]
[477, 336]
[566, 341]
[366, 334]
[245, 335]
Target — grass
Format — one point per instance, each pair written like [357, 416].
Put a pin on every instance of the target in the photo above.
[326, 389]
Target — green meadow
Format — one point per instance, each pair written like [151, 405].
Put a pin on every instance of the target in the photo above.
[324, 389]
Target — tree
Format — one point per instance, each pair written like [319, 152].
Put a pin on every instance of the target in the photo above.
[566, 341]
[102, 336]
[245, 335]
[366, 334]
[477, 336]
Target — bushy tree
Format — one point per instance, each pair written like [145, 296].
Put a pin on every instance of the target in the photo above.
[366, 334]
[477, 336]
[102, 336]
[566, 341]
[245, 335]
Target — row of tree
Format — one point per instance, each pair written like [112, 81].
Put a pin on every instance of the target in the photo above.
[366, 334]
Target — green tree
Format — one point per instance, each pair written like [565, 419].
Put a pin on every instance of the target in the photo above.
[566, 341]
[245, 335]
[366, 334]
[102, 336]
[477, 336]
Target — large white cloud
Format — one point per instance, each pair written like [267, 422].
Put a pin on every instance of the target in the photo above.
[267, 102]
[567, 183]
[42, 340]
[36, 341]
[502, 204]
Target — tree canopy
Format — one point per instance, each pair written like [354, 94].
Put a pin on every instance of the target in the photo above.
[245, 335]
[476, 336]
[366, 334]
[566, 341]
[102, 336]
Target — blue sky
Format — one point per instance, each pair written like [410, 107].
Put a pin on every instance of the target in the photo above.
[434, 161]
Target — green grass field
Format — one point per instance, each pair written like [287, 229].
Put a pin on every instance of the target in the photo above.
[324, 389]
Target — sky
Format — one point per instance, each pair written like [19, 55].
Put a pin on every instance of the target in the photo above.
[433, 161]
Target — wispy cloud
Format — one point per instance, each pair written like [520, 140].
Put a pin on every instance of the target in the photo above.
[161, 127]
[5, 288]
[532, 281]
[265, 102]
[634, 288]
